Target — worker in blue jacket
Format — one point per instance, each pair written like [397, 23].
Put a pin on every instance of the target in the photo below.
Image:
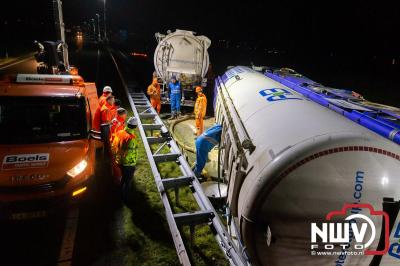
[175, 97]
[204, 144]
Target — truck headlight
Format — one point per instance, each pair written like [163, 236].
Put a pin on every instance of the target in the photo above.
[77, 169]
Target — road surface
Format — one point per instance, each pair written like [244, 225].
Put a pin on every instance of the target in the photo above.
[25, 65]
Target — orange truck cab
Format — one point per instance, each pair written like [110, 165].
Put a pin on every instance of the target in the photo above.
[47, 151]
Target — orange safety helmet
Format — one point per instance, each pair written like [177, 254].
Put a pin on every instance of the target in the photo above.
[74, 71]
[198, 89]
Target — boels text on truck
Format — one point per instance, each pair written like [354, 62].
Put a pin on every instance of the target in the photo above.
[47, 150]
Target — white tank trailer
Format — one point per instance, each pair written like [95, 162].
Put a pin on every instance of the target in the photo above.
[184, 55]
[288, 162]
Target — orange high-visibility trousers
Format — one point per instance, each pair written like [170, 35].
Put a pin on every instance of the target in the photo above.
[156, 103]
[116, 172]
[199, 125]
[200, 112]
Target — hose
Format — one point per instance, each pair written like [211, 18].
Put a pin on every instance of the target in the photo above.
[180, 143]
[183, 145]
[219, 169]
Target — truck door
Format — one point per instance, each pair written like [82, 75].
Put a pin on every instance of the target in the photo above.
[93, 104]
[91, 94]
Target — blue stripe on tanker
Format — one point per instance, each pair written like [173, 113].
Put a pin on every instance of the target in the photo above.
[375, 120]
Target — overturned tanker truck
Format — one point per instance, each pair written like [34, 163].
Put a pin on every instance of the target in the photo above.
[292, 152]
[184, 55]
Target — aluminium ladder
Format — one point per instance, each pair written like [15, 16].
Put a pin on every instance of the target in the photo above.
[143, 110]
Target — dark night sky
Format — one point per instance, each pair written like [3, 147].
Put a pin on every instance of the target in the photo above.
[357, 25]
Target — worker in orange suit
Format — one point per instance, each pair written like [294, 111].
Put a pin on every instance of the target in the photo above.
[125, 154]
[200, 110]
[103, 113]
[106, 92]
[154, 92]
[118, 123]
[115, 107]
[106, 110]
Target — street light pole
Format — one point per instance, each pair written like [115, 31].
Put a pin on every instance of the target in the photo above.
[93, 22]
[59, 20]
[6, 27]
[105, 24]
[98, 27]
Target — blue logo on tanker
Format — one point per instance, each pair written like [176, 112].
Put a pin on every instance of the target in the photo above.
[278, 94]
[232, 73]
[394, 249]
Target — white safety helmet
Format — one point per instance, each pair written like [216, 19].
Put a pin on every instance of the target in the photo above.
[121, 111]
[107, 89]
[132, 122]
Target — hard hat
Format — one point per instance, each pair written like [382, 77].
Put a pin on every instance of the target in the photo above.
[132, 122]
[198, 89]
[74, 71]
[107, 89]
[121, 111]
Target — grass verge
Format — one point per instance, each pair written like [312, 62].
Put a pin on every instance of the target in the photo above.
[147, 231]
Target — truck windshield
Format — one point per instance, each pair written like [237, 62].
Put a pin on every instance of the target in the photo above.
[26, 120]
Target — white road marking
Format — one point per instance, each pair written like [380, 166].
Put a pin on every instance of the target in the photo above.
[67, 246]
[16, 63]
